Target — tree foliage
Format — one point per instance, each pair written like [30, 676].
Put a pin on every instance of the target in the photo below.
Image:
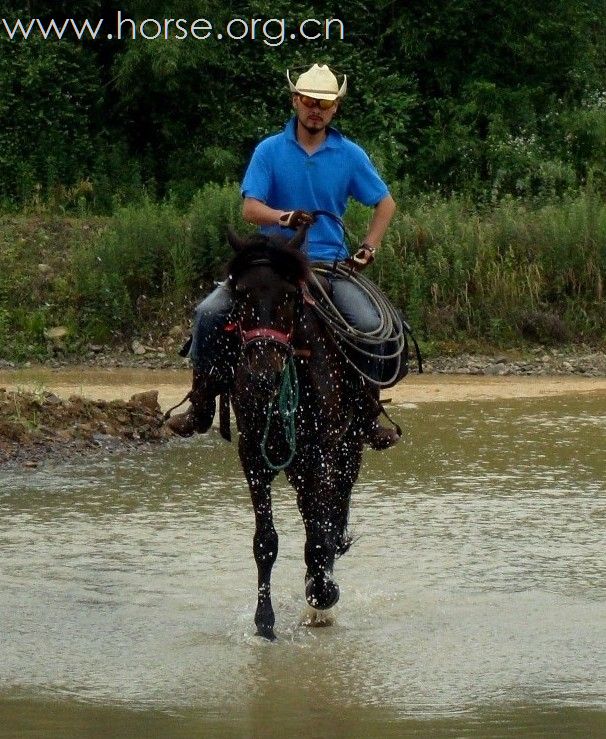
[483, 97]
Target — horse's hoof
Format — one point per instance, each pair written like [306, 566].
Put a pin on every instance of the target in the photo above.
[267, 632]
[322, 595]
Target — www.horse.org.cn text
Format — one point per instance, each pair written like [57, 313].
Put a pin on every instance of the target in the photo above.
[270, 31]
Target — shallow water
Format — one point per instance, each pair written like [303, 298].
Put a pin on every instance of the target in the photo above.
[473, 602]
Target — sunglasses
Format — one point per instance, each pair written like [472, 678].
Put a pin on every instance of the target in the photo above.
[312, 102]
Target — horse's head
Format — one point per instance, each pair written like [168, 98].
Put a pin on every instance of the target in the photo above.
[265, 277]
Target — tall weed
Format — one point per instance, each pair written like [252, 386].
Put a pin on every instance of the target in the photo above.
[503, 273]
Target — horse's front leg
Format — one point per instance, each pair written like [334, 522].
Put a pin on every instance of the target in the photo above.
[265, 541]
[321, 589]
[320, 509]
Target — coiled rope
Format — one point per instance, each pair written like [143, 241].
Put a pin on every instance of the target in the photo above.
[392, 330]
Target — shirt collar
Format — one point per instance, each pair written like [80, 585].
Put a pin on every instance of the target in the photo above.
[332, 141]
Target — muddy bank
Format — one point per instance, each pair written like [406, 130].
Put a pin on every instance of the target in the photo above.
[53, 413]
[35, 425]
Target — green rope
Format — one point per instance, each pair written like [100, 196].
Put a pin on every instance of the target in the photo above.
[288, 402]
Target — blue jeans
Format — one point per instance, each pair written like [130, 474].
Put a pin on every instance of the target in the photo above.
[212, 314]
[210, 317]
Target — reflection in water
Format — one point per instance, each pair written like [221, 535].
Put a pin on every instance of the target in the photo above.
[474, 596]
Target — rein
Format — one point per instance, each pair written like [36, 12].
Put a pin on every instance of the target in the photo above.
[287, 395]
[288, 402]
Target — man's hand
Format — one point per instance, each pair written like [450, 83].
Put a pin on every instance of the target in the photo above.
[295, 218]
[363, 257]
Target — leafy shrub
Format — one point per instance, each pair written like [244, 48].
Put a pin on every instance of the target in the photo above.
[503, 273]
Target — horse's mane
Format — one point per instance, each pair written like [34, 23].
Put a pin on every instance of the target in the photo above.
[289, 263]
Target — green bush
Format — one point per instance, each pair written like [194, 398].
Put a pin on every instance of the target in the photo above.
[152, 261]
[482, 273]
[501, 273]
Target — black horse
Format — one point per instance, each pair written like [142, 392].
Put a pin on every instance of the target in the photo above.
[294, 400]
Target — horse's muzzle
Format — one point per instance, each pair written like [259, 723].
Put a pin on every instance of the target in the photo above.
[265, 359]
[265, 349]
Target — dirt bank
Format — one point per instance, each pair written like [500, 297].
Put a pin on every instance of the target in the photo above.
[38, 424]
[173, 384]
[46, 412]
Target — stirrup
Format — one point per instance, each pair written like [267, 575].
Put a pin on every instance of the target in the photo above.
[378, 437]
[195, 420]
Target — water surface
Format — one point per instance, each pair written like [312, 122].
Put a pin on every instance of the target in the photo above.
[473, 602]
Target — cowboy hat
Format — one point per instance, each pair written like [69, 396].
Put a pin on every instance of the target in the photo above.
[318, 82]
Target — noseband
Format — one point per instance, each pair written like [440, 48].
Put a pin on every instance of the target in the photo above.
[271, 335]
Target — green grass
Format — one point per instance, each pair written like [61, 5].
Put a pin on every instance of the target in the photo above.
[467, 276]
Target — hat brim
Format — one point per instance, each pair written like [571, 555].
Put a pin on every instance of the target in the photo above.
[318, 94]
[315, 94]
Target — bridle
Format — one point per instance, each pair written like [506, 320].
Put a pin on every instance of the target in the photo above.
[269, 334]
[262, 334]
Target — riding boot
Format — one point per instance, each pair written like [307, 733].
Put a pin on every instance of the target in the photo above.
[198, 418]
[376, 436]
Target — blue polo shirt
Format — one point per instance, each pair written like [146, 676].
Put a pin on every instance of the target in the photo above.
[284, 176]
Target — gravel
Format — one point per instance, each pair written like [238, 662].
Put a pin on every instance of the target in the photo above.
[580, 360]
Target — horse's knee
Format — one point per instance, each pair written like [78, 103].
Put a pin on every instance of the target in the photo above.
[265, 547]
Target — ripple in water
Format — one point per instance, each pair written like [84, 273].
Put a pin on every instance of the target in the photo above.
[476, 580]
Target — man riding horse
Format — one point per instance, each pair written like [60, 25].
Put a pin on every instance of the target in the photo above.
[307, 167]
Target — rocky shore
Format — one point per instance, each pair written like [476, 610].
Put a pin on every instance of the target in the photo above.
[540, 362]
[38, 425]
[579, 360]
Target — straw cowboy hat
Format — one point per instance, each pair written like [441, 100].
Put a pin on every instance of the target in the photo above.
[318, 82]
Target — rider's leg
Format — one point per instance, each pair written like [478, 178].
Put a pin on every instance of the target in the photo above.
[207, 352]
[376, 436]
[358, 310]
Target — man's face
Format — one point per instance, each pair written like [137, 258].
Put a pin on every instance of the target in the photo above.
[311, 116]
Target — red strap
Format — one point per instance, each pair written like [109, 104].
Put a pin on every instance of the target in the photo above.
[266, 333]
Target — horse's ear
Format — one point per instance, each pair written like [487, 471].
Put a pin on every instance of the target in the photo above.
[236, 242]
[297, 240]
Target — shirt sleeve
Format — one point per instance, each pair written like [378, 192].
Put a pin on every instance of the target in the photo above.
[366, 184]
[257, 178]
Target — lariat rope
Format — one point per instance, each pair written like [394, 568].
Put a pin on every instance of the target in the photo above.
[287, 403]
[392, 329]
